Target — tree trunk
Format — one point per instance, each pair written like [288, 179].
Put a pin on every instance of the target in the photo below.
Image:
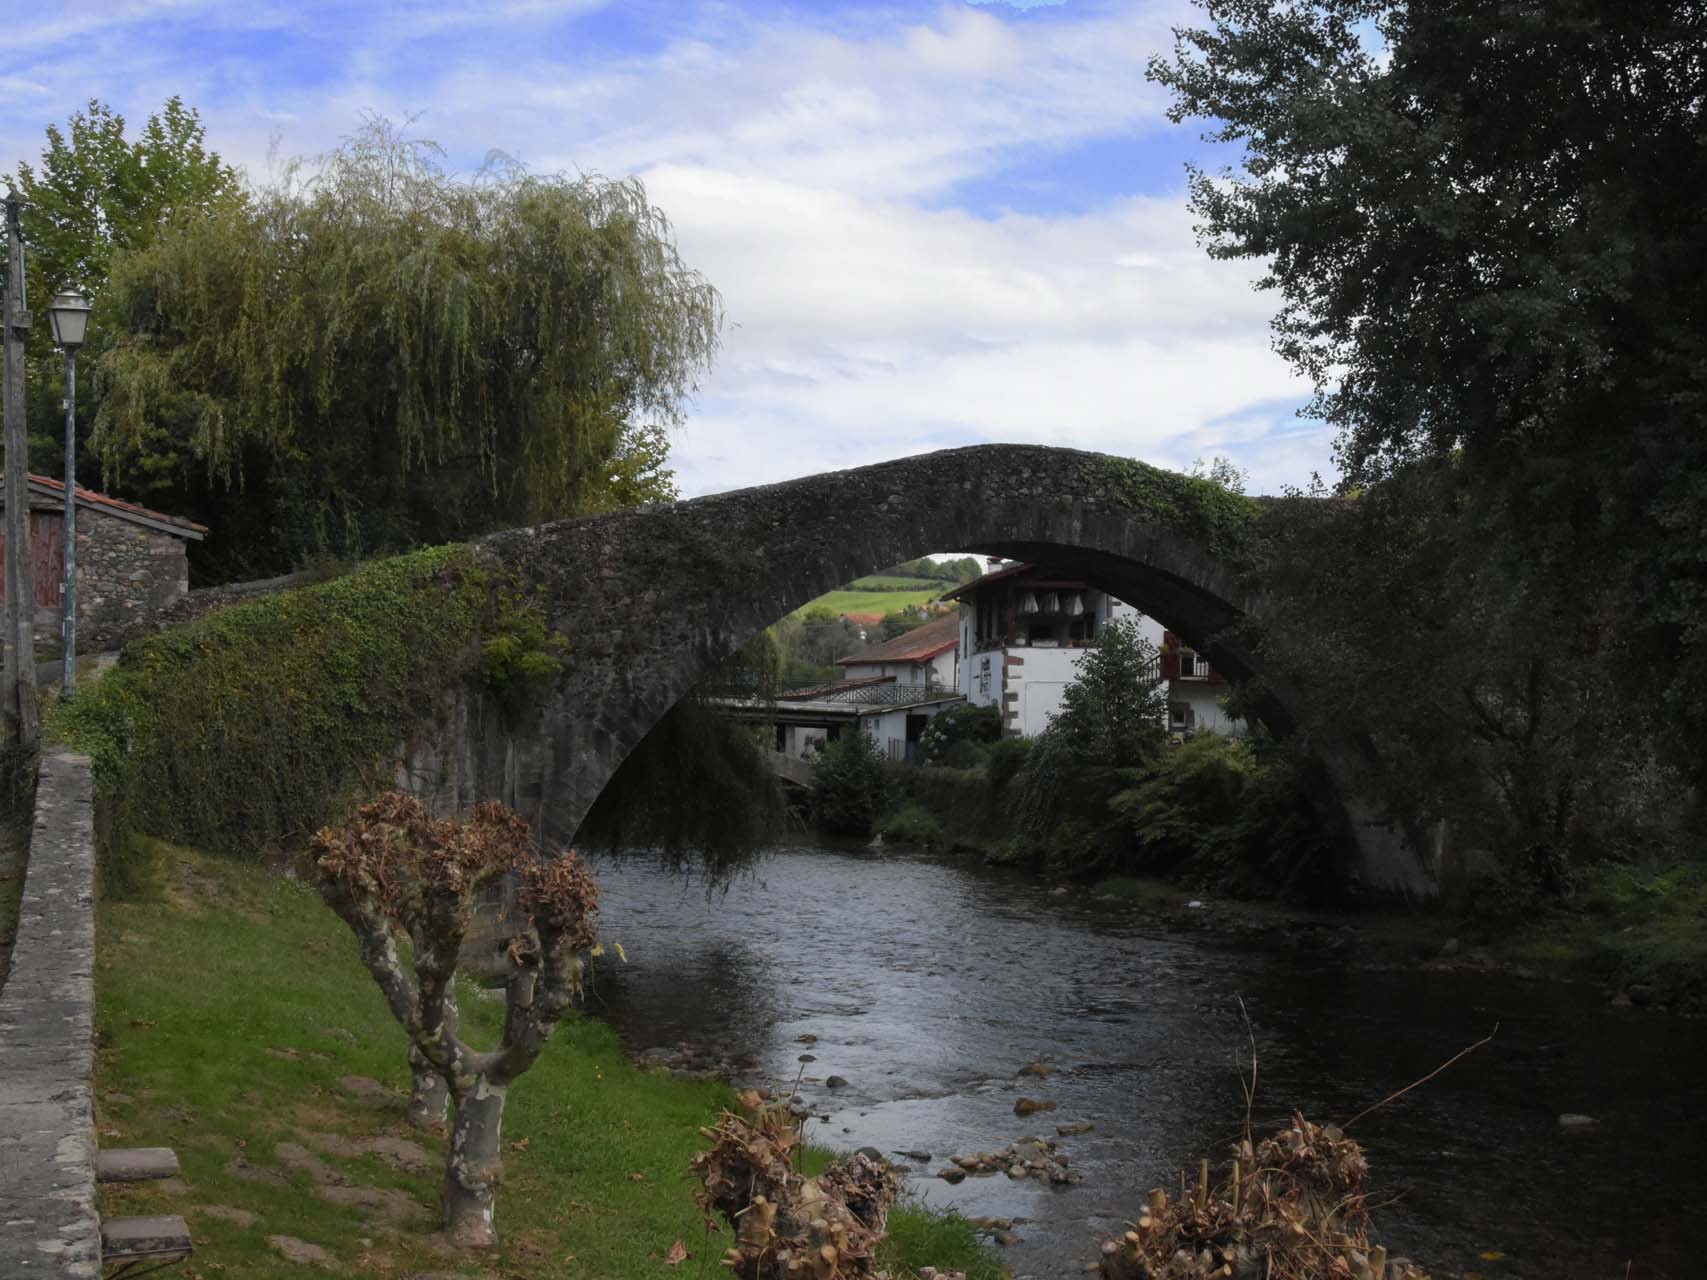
[474, 1167]
[429, 1096]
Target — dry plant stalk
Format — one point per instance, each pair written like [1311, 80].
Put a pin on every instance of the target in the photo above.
[1291, 1208]
[790, 1227]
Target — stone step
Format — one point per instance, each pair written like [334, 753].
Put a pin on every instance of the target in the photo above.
[162, 1239]
[135, 1164]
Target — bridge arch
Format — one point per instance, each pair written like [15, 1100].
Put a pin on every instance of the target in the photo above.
[651, 601]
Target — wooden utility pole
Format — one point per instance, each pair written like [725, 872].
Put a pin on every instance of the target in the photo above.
[18, 697]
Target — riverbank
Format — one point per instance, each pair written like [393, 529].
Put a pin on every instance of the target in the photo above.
[237, 1026]
[1640, 938]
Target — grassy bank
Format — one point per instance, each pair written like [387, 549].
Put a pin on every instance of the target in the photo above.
[236, 1026]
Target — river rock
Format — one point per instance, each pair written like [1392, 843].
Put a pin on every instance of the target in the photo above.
[1016, 1171]
[951, 1174]
[1450, 949]
[1031, 1150]
[1031, 1106]
[1078, 1126]
[920, 1156]
[1039, 1069]
[836, 1082]
[1575, 1122]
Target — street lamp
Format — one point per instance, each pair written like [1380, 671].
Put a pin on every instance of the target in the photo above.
[70, 316]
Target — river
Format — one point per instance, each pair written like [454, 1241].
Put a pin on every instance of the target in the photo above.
[928, 983]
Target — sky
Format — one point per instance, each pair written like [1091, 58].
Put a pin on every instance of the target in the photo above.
[933, 224]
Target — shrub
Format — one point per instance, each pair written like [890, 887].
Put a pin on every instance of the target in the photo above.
[959, 724]
[1003, 760]
[849, 785]
[912, 823]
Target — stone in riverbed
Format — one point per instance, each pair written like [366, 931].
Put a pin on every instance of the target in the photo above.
[1078, 1126]
[1030, 1106]
[836, 1082]
[1574, 1122]
[1038, 1069]
[951, 1174]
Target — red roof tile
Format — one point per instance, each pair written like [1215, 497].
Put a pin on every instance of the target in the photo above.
[118, 507]
[918, 645]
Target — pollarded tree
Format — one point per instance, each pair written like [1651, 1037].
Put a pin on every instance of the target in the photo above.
[394, 872]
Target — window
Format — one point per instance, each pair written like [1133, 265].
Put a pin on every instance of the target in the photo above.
[1192, 665]
[1180, 715]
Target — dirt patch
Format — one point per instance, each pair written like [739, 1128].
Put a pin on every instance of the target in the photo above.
[249, 1171]
[226, 1213]
[302, 1253]
[383, 1202]
[367, 1089]
[400, 1153]
[294, 1156]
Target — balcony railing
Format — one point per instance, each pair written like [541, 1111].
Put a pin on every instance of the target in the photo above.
[886, 695]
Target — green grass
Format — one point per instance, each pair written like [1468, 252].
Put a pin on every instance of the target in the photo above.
[889, 582]
[1629, 926]
[847, 600]
[230, 1002]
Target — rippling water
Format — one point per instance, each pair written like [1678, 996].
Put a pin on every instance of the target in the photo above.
[929, 983]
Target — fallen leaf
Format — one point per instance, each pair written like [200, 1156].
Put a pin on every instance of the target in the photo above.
[637, 1177]
[1491, 1255]
[678, 1254]
[520, 1144]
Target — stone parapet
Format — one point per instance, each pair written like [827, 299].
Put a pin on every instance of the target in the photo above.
[49, 1225]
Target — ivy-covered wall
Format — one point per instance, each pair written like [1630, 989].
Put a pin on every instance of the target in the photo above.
[251, 726]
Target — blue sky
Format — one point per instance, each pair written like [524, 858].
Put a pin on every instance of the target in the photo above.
[932, 223]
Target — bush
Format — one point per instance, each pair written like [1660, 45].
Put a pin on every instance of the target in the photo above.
[1003, 760]
[912, 823]
[849, 785]
[959, 724]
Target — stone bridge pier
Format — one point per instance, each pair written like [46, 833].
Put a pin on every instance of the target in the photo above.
[652, 601]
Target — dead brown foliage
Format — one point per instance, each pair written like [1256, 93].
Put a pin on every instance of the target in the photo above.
[1291, 1208]
[790, 1227]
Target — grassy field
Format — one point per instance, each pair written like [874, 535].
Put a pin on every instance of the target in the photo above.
[850, 600]
[889, 582]
[236, 1026]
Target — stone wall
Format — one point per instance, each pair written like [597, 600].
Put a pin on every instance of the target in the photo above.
[49, 1225]
[127, 574]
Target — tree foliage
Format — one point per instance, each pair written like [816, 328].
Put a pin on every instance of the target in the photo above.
[849, 786]
[372, 353]
[97, 192]
[1481, 225]
[94, 193]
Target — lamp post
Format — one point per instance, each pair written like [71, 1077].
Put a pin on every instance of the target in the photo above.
[70, 316]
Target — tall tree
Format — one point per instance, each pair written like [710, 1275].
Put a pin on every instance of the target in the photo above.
[1482, 225]
[374, 353]
[96, 192]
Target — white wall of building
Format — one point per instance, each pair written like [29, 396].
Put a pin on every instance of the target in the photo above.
[1204, 700]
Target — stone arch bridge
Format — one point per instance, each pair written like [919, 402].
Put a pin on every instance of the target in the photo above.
[654, 600]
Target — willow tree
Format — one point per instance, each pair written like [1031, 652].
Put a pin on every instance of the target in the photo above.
[396, 875]
[373, 352]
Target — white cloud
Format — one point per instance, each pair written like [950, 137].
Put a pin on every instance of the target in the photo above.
[800, 161]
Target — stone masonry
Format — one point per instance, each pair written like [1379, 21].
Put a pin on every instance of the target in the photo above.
[650, 601]
[125, 572]
[49, 1224]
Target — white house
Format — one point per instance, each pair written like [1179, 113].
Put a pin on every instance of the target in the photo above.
[1023, 632]
[889, 691]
